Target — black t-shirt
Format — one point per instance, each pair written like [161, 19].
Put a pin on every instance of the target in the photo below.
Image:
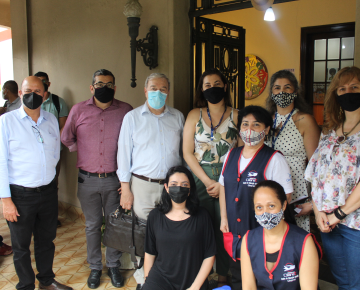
[180, 248]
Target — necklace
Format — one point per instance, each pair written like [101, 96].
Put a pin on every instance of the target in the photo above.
[212, 127]
[343, 138]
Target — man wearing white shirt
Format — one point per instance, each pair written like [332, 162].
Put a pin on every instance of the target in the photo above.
[29, 152]
[149, 145]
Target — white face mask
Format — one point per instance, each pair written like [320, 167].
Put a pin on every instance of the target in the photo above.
[251, 137]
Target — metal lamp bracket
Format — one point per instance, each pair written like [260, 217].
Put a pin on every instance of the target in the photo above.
[148, 47]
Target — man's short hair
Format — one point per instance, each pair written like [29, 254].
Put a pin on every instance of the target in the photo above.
[102, 72]
[157, 76]
[12, 86]
[42, 74]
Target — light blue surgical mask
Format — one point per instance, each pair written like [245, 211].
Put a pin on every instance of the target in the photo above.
[156, 99]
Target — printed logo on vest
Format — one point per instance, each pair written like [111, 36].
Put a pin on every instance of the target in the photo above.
[290, 274]
[251, 179]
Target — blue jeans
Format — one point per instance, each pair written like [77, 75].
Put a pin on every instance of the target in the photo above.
[342, 247]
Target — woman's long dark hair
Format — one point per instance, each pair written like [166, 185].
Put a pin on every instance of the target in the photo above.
[280, 193]
[192, 202]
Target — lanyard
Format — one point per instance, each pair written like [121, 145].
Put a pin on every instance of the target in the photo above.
[282, 128]
[214, 128]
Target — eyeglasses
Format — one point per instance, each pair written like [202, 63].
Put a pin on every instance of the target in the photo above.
[101, 85]
[37, 133]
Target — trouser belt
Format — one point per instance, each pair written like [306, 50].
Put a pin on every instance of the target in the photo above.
[160, 181]
[100, 175]
[38, 189]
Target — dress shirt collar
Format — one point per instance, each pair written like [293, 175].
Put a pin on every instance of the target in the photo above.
[14, 102]
[145, 109]
[48, 99]
[24, 115]
[91, 101]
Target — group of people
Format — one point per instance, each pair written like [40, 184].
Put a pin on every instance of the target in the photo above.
[226, 189]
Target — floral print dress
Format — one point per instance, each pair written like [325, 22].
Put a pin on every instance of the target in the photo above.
[225, 138]
[334, 172]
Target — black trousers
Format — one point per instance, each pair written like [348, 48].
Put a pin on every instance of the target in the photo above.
[235, 270]
[38, 212]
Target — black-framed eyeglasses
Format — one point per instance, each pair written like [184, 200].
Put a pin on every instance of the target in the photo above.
[101, 85]
[38, 135]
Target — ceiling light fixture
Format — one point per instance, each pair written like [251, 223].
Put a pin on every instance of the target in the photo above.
[269, 15]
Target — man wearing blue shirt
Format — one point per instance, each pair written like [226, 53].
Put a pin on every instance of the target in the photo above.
[149, 145]
[29, 152]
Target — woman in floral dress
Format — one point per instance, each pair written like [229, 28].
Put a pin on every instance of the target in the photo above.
[209, 133]
[334, 172]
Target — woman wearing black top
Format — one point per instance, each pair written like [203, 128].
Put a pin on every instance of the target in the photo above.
[180, 244]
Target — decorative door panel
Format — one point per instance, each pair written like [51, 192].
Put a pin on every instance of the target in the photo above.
[222, 46]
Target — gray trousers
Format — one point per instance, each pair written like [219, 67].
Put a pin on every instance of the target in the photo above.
[146, 197]
[98, 196]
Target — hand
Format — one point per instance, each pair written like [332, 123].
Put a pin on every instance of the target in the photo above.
[322, 222]
[126, 199]
[333, 220]
[213, 189]
[2, 110]
[119, 190]
[224, 225]
[9, 210]
[306, 209]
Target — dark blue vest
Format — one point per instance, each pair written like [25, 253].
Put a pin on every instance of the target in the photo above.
[285, 273]
[238, 192]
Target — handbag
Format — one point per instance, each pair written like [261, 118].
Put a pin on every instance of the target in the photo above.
[126, 234]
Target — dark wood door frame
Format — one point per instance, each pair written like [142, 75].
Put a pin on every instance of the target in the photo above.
[308, 34]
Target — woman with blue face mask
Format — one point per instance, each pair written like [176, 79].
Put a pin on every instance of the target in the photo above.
[209, 133]
[278, 255]
[244, 167]
[295, 134]
[179, 245]
[334, 173]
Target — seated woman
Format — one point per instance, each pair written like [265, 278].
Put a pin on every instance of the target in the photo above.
[292, 260]
[180, 243]
[244, 167]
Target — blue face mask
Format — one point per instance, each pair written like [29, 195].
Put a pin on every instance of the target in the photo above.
[156, 99]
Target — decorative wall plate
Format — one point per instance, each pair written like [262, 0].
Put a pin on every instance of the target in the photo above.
[256, 76]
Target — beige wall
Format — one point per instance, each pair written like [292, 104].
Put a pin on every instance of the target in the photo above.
[70, 40]
[5, 19]
[278, 43]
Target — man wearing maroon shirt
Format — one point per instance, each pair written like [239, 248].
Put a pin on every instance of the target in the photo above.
[92, 129]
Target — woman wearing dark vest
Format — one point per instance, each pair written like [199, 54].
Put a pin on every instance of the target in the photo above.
[244, 167]
[278, 255]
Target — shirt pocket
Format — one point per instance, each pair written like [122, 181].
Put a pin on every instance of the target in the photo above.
[50, 141]
[174, 139]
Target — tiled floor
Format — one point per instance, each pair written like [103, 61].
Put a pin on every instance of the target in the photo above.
[70, 264]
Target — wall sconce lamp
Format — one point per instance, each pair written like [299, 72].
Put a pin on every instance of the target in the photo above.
[148, 46]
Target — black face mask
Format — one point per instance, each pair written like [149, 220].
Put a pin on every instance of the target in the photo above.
[178, 193]
[32, 100]
[214, 95]
[349, 101]
[104, 95]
